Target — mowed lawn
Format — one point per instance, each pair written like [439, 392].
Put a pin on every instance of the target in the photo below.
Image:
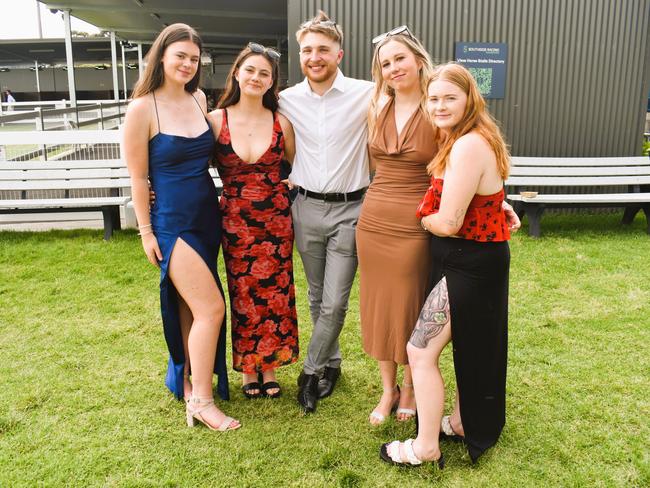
[82, 401]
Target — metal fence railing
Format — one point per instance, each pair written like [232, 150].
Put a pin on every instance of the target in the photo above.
[97, 115]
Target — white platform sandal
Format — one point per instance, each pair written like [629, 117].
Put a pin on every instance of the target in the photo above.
[390, 453]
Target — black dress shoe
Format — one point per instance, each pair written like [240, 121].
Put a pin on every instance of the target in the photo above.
[308, 392]
[328, 381]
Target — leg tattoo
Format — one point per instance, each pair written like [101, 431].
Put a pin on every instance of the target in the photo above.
[433, 317]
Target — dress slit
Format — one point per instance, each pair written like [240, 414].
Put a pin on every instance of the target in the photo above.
[478, 304]
[171, 319]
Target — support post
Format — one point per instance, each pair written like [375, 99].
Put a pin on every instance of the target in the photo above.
[38, 81]
[72, 89]
[116, 86]
[124, 73]
[40, 126]
[140, 65]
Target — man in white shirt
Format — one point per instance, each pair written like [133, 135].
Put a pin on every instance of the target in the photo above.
[328, 112]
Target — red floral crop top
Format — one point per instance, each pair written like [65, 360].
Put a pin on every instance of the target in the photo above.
[485, 220]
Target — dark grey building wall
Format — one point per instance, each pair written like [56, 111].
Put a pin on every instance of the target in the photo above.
[578, 70]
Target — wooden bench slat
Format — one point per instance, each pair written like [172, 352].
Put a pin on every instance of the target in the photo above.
[66, 185]
[603, 171]
[577, 181]
[64, 202]
[612, 198]
[62, 174]
[596, 161]
[62, 164]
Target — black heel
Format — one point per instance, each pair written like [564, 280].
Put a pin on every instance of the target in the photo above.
[247, 388]
[269, 385]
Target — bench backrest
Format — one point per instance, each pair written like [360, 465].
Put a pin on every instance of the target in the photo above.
[588, 172]
[63, 178]
[66, 174]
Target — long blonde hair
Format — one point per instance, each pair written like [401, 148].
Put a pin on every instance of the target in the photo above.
[475, 119]
[382, 88]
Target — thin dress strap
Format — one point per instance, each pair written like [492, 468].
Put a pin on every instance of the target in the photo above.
[224, 121]
[156, 107]
[197, 102]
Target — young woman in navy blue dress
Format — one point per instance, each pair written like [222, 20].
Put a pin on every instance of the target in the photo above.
[169, 142]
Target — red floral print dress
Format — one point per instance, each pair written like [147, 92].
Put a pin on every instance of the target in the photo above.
[257, 242]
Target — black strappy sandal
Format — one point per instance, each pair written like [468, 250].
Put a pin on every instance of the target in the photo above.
[249, 387]
[269, 385]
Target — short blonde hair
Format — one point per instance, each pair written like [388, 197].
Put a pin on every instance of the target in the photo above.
[321, 24]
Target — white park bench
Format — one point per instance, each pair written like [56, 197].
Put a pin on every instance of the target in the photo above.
[23, 178]
[605, 182]
[66, 163]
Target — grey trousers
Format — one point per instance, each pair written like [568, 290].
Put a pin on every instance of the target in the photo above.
[325, 239]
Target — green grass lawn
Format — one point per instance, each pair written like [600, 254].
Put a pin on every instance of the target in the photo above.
[82, 401]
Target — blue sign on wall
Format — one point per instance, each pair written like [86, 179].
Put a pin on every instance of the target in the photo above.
[487, 63]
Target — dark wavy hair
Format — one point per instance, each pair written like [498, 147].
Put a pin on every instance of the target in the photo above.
[154, 74]
[232, 93]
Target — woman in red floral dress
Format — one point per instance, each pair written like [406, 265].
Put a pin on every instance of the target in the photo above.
[252, 140]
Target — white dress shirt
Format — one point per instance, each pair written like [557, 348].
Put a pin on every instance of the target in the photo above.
[331, 134]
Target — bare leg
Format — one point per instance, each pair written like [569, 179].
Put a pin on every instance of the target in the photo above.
[388, 371]
[186, 319]
[455, 419]
[431, 334]
[195, 284]
[407, 396]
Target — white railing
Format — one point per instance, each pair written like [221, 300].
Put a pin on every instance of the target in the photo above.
[42, 116]
[59, 145]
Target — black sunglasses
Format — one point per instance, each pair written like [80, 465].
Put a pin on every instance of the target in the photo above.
[402, 29]
[259, 49]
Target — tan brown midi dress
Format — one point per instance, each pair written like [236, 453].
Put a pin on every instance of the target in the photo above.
[393, 249]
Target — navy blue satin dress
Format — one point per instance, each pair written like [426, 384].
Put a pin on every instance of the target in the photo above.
[186, 207]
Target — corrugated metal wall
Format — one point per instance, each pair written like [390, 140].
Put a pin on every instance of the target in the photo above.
[578, 70]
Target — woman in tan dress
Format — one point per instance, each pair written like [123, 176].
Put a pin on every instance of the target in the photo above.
[393, 249]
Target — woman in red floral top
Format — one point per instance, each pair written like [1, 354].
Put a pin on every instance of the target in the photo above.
[463, 209]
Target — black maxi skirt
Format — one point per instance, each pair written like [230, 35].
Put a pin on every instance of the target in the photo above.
[477, 282]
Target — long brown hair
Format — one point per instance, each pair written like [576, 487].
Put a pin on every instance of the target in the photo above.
[475, 119]
[382, 88]
[154, 75]
[232, 93]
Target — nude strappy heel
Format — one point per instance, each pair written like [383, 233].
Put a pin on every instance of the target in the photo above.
[194, 408]
[409, 412]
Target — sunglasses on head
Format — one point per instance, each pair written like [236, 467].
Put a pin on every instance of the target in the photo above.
[259, 49]
[326, 23]
[402, 29]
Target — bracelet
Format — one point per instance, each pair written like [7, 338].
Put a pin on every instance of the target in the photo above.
[144, 226]
[145, 233]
